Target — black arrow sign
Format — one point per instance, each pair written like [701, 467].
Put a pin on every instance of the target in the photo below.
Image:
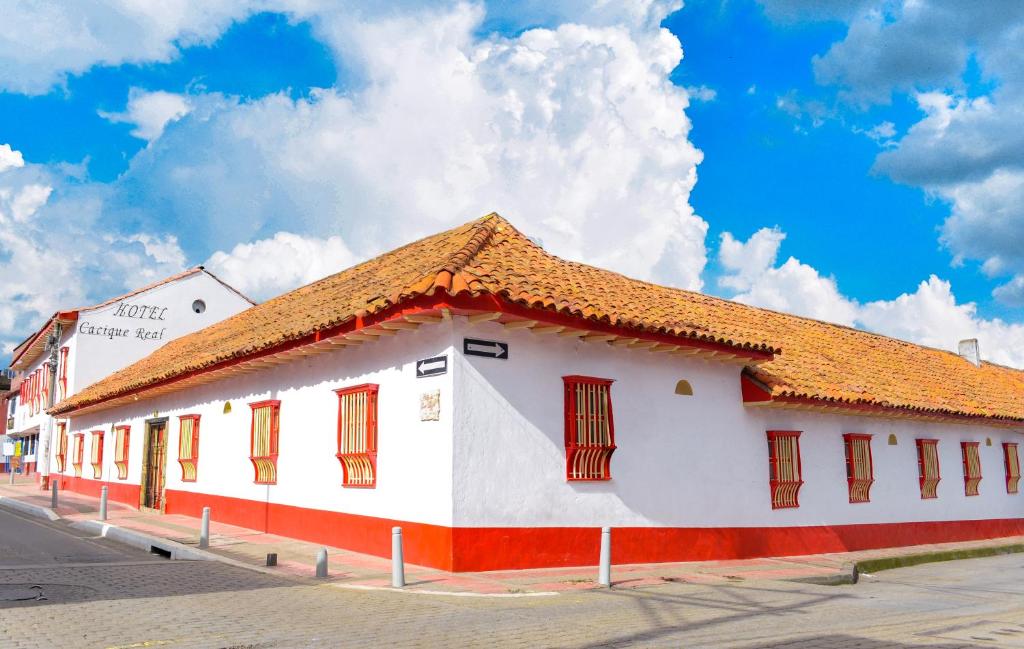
[486, 348]
[431, 366]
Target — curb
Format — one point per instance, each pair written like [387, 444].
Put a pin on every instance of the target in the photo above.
[26, 508]
[905, 561]
[172, 549]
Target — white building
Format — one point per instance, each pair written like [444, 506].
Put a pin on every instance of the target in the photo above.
[77, 347]
[501, 404]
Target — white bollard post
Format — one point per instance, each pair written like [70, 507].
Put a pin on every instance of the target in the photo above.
[604, 575]
[321, 563]
[10, 468]
[397, 560]
[53, 495]
[204, 530]
[103, 503]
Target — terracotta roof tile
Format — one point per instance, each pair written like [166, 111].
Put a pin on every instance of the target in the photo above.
[488, 256]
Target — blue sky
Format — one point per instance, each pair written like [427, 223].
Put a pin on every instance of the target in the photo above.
[848, 161]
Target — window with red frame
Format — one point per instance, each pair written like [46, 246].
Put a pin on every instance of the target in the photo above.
[784, 475]
[589, 428]
[357, 435]
[972, 467]
[35, 392]
[928, 467]
[263, 440]
[96, 458]
[1011, 461]
[62, 445]
[78, 453]
[62, 375]
[860, 471]
[122, 441]
[44, 387]
[188, 447]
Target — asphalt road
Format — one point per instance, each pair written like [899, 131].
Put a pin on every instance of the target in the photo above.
[28, 541]
[62, 590]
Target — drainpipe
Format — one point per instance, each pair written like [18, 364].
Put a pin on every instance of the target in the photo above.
[46, 429]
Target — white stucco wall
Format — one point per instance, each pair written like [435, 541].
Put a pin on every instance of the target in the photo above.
[682, 461]
[97, 355]
[414, 468]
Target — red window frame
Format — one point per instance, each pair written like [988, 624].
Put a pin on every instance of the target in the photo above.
[929, 486]
[859, 488]
[62, 445]
[44, 386]
[972, 480]
[96, 454]
[265, 464]
[62, 375]
[189, 464]
[1011, 463]
[785, 491]
[79, 454]
[585, 460]
[358, 461]
[121, 450]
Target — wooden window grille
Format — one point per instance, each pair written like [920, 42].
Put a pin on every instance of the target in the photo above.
[264, 436]
[62, 376]
[589, 428]
[860, 470]
[79, 452]
[44, 386]
[928, 467]
[122, 441]
[96, 458]
[972, 467]
[1011, 459]
[188, 447]
[35, 393]
[357, 435]
[62, 445]
[784, 474]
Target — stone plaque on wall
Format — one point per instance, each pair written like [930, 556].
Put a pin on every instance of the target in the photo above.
[430, 406]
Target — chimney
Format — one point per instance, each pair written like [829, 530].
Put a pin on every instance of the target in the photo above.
[968, 350]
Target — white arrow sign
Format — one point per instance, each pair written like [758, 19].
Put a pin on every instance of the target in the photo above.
[431, 366]
[486, 348]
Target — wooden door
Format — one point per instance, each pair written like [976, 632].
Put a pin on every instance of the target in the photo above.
[154, 465]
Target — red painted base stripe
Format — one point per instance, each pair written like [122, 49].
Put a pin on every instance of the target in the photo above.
[469, 549]
[425, 545]
[120, 492]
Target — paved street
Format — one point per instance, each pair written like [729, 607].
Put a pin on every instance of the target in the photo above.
[59, 589]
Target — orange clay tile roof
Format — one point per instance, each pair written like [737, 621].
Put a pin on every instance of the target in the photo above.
[490, 257]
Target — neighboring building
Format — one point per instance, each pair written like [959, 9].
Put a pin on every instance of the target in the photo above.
[7, 402]
[501, 405]
[77, 347]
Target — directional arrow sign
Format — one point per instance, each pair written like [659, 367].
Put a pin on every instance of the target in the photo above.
[487, 348]
[431, 366]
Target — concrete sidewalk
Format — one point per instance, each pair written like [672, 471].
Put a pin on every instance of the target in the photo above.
[296, 559]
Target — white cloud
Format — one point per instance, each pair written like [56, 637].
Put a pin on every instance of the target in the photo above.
[9, 158]
[28, 200]
[56, 254]
[265, 268]
[701, 93]
[793, 287]
[929, 316]
[42, 42]
[574, 133]
[883, 132]
[150, 112]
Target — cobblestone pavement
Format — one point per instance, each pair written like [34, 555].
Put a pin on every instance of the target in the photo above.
[145, 603]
